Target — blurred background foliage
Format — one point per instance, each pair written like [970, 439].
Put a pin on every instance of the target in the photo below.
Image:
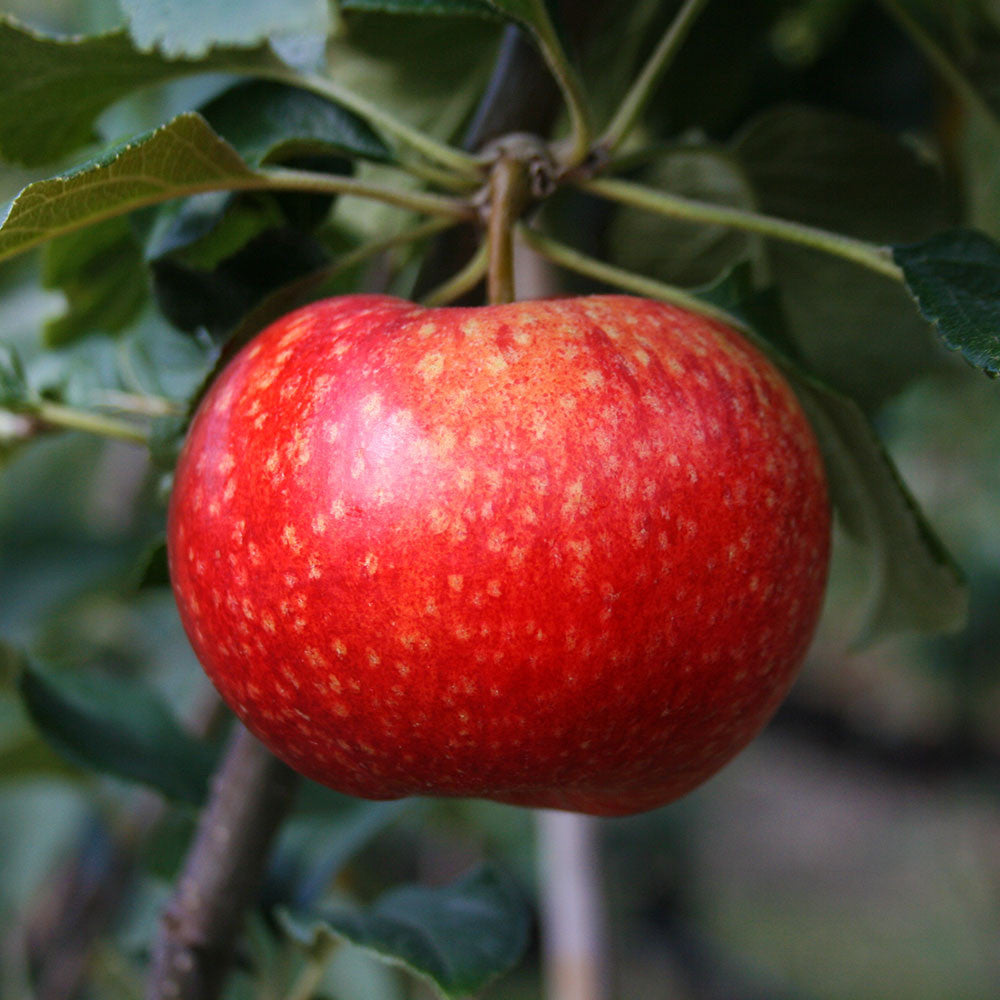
[853, 851]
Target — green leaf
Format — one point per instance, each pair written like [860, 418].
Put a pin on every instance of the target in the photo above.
[193, 27]
[477, 8]
[14, 391]
[846, 175]
[325, 832]
[430, 71]
[915, 586]
[180, 158]
[119, 726]
[162, 361]
[533, 14]
[166, 438]
[11, 664]
[205, 229]
[100, 271]
[151, 569]
[955, 279]
[681, 252]
[216, 299]
[52, 90]
[840, 172]
[272, 123]
[460, 936]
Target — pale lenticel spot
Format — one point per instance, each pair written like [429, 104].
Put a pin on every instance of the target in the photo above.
[371, 406]
[430, 366]
[290, 538]
[314, 657]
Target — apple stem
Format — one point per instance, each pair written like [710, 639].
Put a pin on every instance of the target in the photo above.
[639, 94]
[573, 929]
[251, 793]
[509, 194]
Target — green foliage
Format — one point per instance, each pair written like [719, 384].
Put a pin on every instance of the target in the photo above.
[180, 158]
[193, 27]
[161, 254]
[478, 8]
[833, 171]
[430, 71]
[913, 583]
[274, 123]
[13, 384]
[101, 272]
[460, 936]
[955, 279]
[51, 90]
[117, 725]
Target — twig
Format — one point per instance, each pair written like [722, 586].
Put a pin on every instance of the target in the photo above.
[85, 895]
[288, 179]
[251, 793]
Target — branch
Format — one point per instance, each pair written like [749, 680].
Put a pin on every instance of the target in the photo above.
[251, 794]
[82, 898]
[569, 84]
[574, 935]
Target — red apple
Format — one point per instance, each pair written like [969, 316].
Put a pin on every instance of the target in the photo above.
[564, 553]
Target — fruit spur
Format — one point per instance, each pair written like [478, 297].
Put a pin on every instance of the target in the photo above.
[564, 553]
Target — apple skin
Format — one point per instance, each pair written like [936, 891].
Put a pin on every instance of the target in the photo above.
[562, 553]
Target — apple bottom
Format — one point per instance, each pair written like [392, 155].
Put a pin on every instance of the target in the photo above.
[579, 745]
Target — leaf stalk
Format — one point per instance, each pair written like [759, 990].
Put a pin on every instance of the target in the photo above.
[629, 281]
[639, 94]
[56, 415]
[869, 255]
